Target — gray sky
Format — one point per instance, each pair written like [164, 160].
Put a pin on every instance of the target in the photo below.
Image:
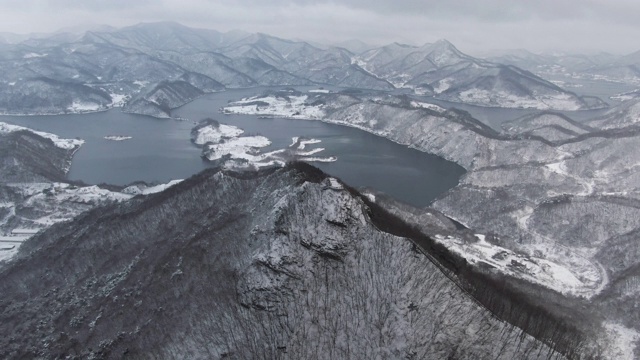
[472, 25]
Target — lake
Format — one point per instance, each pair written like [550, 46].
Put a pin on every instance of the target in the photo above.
[160, 149]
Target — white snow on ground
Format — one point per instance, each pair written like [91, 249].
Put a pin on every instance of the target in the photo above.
[443, 85]
[33, 55]
[304, 143]
[370, 196]
[141, 83]
[147, 190]
[291, 106]
[305, 155]
[59, 142]
[433, 107]
[310, 152]
[420, 91]
[212, 133]
[530, 268]
[321, 91]
[83, 107]
[239, 148]
[118, 100]
[117, 137]
[319, 159]
[244, 151]
[335, 184]
[560, 168]
[621, 341]
[626, 96]
[63, 192]
[60, 202]
[361, 123]
[24, 232]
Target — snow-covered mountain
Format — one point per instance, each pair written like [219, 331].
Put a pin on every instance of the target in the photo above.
[444, 71]
[246, 264]
[573, 69]
[103, 69]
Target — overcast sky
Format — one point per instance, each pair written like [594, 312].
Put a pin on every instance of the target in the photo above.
[472, 25]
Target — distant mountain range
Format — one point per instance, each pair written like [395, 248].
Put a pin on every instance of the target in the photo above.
[601, 66]
[100, 69]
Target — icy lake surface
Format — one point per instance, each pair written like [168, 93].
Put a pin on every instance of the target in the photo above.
[160, 149]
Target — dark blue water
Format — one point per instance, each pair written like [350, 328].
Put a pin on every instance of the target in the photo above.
[161, 149]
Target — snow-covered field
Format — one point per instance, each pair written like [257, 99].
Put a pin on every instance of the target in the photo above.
[534, 269]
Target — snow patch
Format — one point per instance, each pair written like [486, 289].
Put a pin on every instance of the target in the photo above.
[239, 148]
[370, 196]
[118, 100]
[141, 83]
[213, 133]
[319, 159]
[222, 141]
[147, 190]
[443, 85]
[304, 143]
[424, 105]
[335, 184]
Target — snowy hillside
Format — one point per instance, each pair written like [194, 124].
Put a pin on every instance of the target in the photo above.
[278, 257]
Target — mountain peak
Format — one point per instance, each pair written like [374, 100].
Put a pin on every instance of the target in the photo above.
[443, 45]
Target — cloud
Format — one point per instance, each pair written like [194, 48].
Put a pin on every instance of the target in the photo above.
[473, 25]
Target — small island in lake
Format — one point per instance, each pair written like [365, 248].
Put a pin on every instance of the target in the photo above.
[117, 137]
